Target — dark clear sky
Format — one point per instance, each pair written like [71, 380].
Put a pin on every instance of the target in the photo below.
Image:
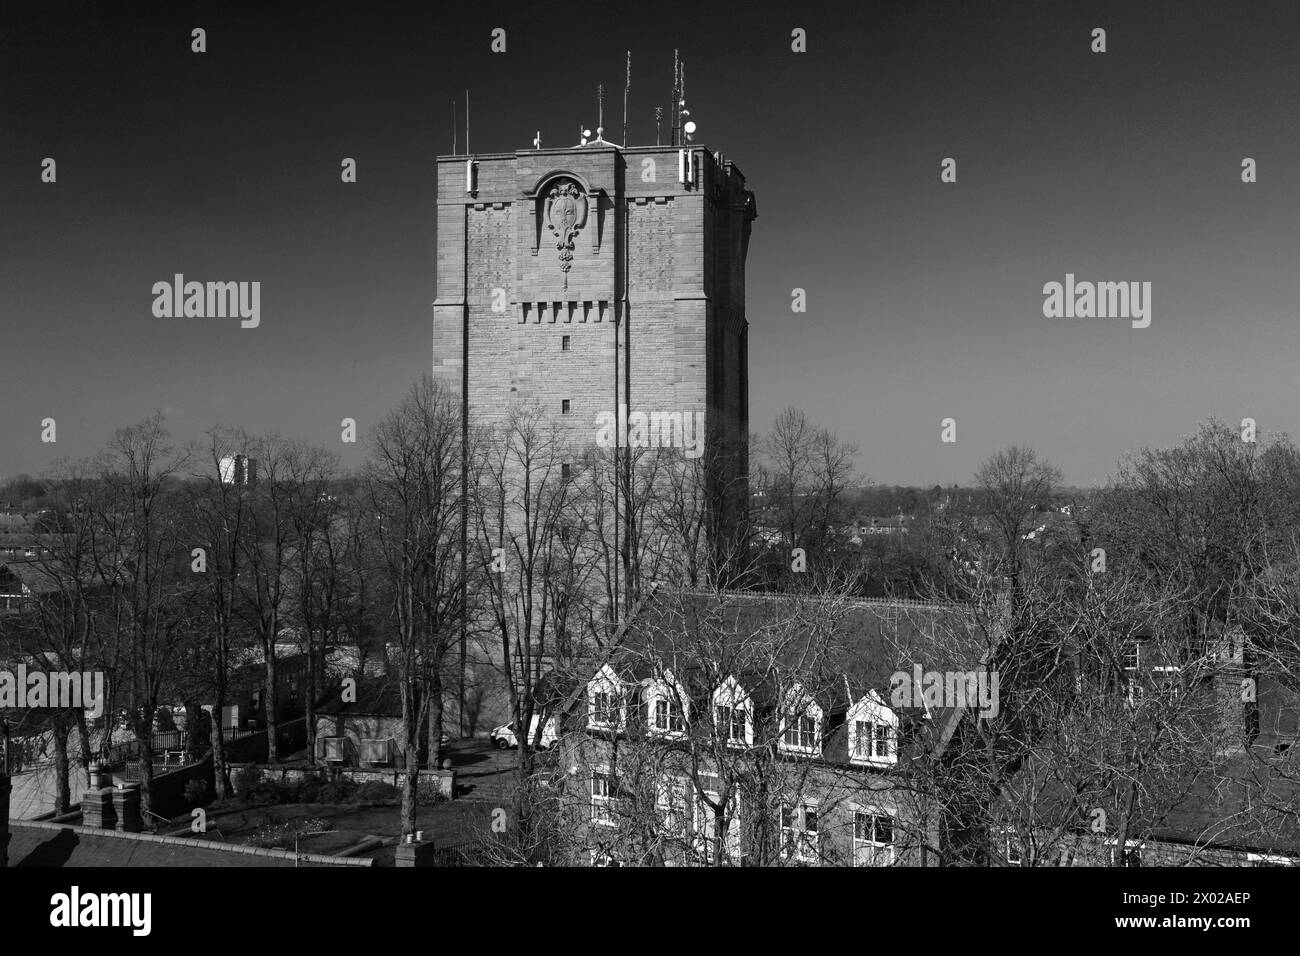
[925, 299]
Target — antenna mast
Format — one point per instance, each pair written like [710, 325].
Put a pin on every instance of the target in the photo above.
[454, 144]
[627, 85]
[467, 122]
[600, 111]
[677, 74]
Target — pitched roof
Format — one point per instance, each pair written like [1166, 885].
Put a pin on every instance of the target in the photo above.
[837, 649]
[37, 579]
[858, 643]
[376, 697]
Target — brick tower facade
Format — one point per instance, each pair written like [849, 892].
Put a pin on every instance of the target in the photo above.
[595, 280]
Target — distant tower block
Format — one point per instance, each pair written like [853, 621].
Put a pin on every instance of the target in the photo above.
[595, 277]
[238, 470]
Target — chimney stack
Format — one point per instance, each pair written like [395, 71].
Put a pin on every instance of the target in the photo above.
[413, 851]
[97, 802]
[126, 807]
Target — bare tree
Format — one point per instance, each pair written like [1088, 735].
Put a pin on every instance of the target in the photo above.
[142, 558]
[413, 490]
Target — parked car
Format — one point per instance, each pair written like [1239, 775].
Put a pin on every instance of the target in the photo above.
[503, 737]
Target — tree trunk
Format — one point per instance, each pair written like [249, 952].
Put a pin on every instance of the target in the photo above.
[62, 789]
[310, 709]
[268, 705]
[146, 763]
[195, 717]
[83, 733]
[411, 735]
[220, 771]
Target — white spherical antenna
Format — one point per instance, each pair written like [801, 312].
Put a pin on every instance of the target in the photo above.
[690, 127]
[586, 132]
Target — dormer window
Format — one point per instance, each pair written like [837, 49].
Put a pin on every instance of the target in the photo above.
[668, 716]
[873, 740]
[665, 706]
[801, 732]
[801, 723]
[873, 732]
[732, 714]
[731, 723]
[606, 708]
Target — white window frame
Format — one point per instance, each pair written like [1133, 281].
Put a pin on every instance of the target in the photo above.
[663, 688]
[732, 696]
[602, 805]
[1013, 851]
[1132, 683]
[671, 802]
[798, 843]
[606, 682]
[1167, 678]
[1112, 844]
[871, 847]
[874, 712]
[796, 707]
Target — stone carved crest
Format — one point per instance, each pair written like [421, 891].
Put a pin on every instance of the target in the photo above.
[566, 214]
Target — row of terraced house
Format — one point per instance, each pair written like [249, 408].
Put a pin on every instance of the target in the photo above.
[765, 730]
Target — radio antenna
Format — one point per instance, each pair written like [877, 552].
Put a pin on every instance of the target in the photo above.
[467, 122]
[627, 85]
[677, 75]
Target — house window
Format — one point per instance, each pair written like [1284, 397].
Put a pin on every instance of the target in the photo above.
[884, 740]
[602, 800]
[565, 406]
[375, 751]
[1014, 854]
[1131, 656]
[565, 342]
[604, 707]
[731, 723]
[801, 731]
[1165, 681]
[799, 837]
[670, 805]
[873, 838]
[565, 471]
[872, 740]
[1130, 855]
[668, 715]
